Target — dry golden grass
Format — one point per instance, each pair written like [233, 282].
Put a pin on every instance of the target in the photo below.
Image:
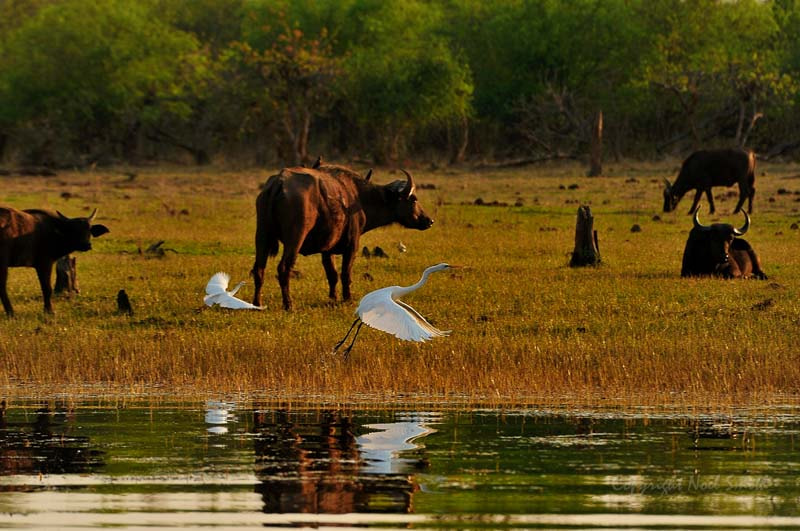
[526, 328]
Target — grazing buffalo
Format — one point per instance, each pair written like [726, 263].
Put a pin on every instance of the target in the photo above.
[718, 250]
[326, 210]
[715, 167]
[37, 238]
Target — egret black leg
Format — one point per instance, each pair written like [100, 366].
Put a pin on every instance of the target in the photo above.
[347, 351]
[340, 343]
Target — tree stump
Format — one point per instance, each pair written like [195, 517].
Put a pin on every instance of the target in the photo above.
[587, 250]
[596, 148]
[66, 275]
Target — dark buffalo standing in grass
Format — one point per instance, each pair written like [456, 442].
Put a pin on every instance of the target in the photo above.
[326, 210]
[714, 167]
[718, 249]
[37, 238]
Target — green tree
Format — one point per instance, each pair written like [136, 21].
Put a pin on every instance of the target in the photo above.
[81, 76]
[717, 60]
[288, 76]
[402, 76]
[543, 68]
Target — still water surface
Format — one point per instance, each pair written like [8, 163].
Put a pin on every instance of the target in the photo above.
[240, 466]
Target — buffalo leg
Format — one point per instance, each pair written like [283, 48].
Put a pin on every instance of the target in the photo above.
[259, 265]
[284, 272]
[744, 193]
[757, 271]
[696, 201]
[330, 272]
[710, 198]
[348, 257]
[45, 274]
[3, 293]
[258, 281]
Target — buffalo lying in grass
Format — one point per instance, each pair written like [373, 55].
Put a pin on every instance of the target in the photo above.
[718, 249]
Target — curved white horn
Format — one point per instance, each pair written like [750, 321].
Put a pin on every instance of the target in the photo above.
[745, 227]
[697, 223]
[409, 187]
[93, 215]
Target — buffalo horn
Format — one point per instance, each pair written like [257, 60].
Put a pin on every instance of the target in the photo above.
[740, 232]
[697, 223]
[93, 215]
[409, 188]
[369, 174]
[666, 184]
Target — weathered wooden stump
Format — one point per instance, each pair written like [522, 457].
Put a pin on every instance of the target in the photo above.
[66, 276]
[587, 250]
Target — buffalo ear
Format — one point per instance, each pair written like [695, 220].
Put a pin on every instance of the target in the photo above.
[98, 230]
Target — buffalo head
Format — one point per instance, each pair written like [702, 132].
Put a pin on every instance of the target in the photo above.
[407, 210]
[670, 199]
[719, 238]
[77, 233]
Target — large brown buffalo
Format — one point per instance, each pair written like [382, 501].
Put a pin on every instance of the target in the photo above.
[718, 249]
[37, 238]
[326, 210]
[714, 167]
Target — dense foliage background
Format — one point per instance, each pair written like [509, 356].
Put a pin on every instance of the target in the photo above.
[257, 81]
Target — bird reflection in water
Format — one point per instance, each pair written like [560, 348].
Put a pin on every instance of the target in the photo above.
[317, 464]
[218, 414]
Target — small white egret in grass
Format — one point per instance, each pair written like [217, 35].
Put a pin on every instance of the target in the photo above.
[216, 293]
[381, 309]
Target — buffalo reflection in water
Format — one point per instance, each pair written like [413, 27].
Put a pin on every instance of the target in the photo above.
[44, 445]
[317, 465]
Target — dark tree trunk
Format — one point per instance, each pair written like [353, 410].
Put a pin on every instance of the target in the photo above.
[461, 152]
[596, 149]
[587, 250]
[66, 275]
[3, 142]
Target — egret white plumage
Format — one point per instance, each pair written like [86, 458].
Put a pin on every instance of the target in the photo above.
[381, 309]
[216, 293]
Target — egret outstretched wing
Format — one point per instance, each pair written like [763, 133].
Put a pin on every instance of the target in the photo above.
[383, 310]
[427, 328]
[395, 317]
[216, 294]
[228, 301]
[211, 300]
[218, 284]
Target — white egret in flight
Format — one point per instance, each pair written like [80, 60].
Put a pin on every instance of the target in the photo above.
[382, 309]
[216, 294]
